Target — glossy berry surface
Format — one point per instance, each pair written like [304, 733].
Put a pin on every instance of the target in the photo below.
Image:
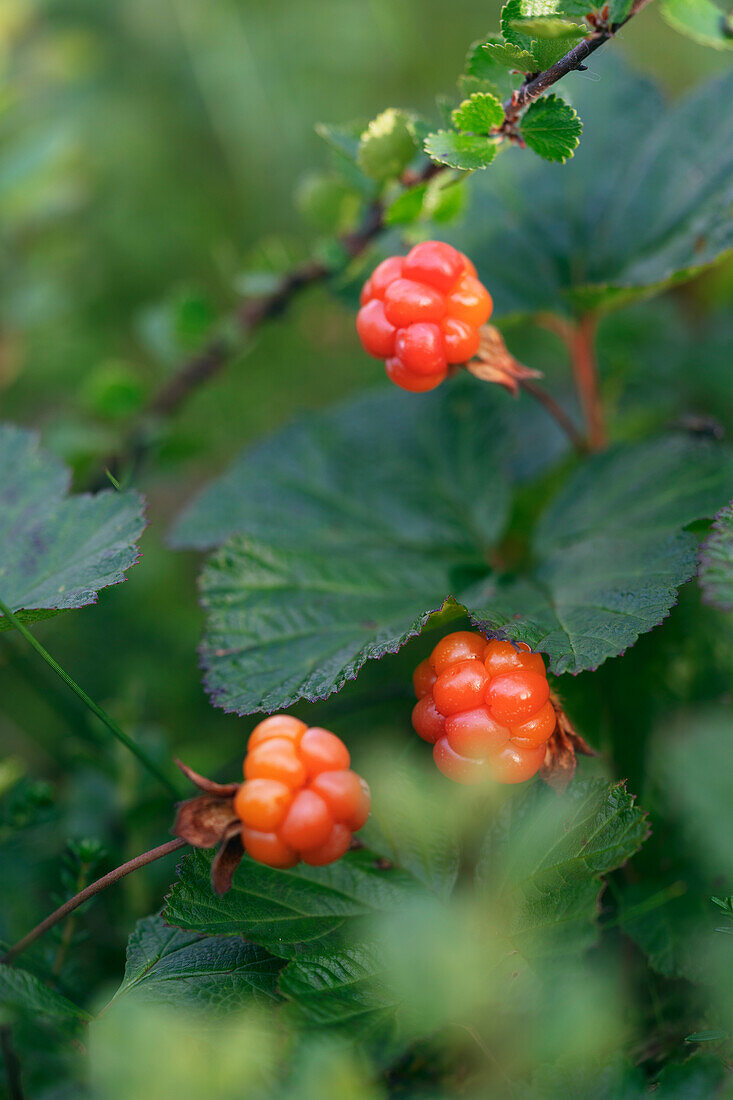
[300, 799]
[422, 314]
[485, 707]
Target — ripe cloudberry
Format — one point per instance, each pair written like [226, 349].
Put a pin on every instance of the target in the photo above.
[300, 800]
[485, 707]
[423, 314]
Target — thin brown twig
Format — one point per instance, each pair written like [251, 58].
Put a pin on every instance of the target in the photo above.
[89, 892]
[213, 357]
[557, 412]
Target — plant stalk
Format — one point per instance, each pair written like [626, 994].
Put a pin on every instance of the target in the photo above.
[89, 892]
[109, 722]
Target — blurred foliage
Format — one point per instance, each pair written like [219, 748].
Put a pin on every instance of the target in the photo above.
[156, 161]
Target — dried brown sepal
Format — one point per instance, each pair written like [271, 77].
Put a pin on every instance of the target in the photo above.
[204, 820]
[562, 750]
[494, 362]
[209, 821]
[208, 786]
[226, 860]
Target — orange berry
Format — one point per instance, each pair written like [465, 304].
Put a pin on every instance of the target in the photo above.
[514, 764]
[320, 750]
[469, 301]
[262, 803]
[384, 273]
[427, 721]
[308, 822]
[461, 686]
[535, 731]
[461, 340]
[410, 380]
[277, 725]
[347, 796]
[514, 697]
[338, 844]
[437, 264]
[462, 645]
[275, 758]
[474, 733]
[509, 656]
[374, 330]
[268, 848]
[423, 679]
[458, 768]
[406, 302]
[420, 348]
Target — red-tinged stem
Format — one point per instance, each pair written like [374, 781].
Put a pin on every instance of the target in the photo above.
[585, 371]
[89, 892]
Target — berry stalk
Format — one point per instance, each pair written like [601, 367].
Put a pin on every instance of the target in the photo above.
[89, 892]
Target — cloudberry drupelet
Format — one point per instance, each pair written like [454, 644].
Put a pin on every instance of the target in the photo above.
[300, 800]
[485, 707]
[422, 314]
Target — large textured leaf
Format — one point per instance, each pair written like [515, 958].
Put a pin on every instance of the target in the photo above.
[284, 910]
[56, 551]
[611, 552]
[645, 200]
[548, 854]
[344, 555]
[169, 967]
[340, 988]
[24, 994]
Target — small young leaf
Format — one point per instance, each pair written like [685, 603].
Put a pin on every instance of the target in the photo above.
[407, 207]
[512, 11]
[57, 551]
[716, 562]
[465, 151]
[486, 74]
[511, 56]
[701, 20]
[549, 26]
[551, 127]
[479, 114]
[387, 145]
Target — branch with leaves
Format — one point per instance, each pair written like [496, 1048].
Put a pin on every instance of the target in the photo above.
[534, 53]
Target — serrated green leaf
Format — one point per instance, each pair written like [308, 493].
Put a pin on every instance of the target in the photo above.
[579, 236]
[479, 114]
[284, 910]
[511, 56]
[510, 13]
[344, 140]
[166, 966]
[549, 854]
[550, 26]
[483, 74]
[340, 988]
[716, 562]
[295, 609]
[551, 128]
[464, 151]
[387, 145]
[57, 551]
[23, 994]
[701, 20]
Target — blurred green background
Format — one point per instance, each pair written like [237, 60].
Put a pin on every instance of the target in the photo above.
[147, 150]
